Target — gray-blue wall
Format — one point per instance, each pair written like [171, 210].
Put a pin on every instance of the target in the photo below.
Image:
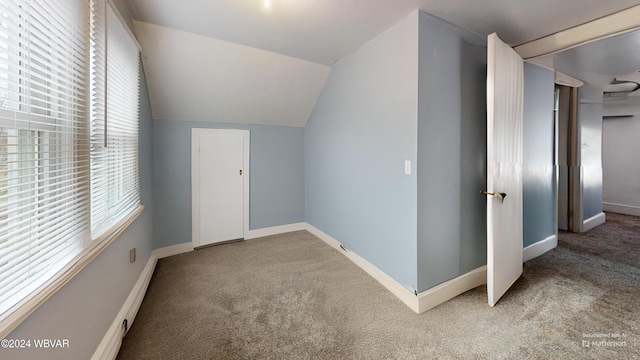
[276, 177]
[621, 173]
[590, 124]
[451, 152]
[360, 133]
[538, 171]
[83, 309]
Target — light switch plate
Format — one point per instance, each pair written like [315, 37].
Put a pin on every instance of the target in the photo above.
[407, 167]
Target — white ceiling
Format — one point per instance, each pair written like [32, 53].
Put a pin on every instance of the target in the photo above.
[325, 31]
[599, 62]
[235, 61]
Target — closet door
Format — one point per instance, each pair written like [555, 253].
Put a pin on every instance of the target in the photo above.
[218, 185]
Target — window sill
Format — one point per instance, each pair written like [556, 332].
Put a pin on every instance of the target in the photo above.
[17, 314]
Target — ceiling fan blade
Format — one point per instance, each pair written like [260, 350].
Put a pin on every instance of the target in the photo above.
[633, 77]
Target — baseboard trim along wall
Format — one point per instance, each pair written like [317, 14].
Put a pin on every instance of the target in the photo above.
[111, 342]
[446, 291]
[275, 230]
[173, 250]
[421, 302]
[594, 221]
[534, 250]
[397, 289]
[622, 209]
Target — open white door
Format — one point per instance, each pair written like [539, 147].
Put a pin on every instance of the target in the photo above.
[505, 103]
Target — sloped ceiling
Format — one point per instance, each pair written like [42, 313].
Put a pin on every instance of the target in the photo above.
[283, 53]
[193, 77]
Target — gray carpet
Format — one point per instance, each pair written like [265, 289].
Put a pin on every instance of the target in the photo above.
[292, 296]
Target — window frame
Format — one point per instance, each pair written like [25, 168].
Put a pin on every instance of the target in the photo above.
[69, 268]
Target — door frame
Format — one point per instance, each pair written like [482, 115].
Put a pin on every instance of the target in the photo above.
[568, 144]
[195, 178]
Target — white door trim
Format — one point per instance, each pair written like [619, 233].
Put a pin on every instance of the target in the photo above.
[195, 178]
[618, 23]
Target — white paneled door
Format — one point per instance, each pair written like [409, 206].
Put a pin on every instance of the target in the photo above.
[505, 103]
[219, 185]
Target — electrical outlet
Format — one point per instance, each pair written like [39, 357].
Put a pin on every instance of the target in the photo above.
[132, 255]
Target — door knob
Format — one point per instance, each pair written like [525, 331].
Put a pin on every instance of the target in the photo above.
[499, 195]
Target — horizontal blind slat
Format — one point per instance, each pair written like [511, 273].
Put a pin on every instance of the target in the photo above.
[114, 167]
[44, 140]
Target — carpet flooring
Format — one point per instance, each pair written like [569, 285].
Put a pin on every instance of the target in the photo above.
[291, 296]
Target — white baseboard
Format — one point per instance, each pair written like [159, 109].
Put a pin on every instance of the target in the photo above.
[423, 301]
[275, 230]
[397, 289]
[534, 250]
[448, 290]
[622, 209]
[110, 344]
[173, 250]
[454, 287]
[594, 221]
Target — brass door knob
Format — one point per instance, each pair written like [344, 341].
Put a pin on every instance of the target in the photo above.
[499, 195]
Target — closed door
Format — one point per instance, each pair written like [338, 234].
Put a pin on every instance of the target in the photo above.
[505, 106]
[219, 185]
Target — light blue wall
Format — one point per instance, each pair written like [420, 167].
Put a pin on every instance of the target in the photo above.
[621, 173]
[590, 124]
[451, 152]
[538, 171]
[276, 177]
[83, 309]
[360, 133]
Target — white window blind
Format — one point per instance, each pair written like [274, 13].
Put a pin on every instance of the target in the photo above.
[115, 184]
[44, 147]
[68, 143]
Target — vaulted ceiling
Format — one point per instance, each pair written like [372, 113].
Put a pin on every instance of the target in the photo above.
[265, 61]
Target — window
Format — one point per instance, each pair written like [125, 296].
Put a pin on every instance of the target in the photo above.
[68, 160]
[43, 137]
[115, 188]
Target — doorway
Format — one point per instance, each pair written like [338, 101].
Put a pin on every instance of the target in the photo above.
[563, 154]
[567, 158]
[220, 185]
